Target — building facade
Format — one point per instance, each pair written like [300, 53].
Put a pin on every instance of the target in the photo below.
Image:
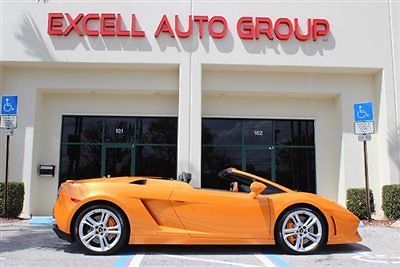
[159, 88]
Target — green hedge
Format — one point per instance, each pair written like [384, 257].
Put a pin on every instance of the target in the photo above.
[357, 204]
[391, 201]
[15, 199]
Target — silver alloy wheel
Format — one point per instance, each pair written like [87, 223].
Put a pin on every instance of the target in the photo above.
[100, 230]
[302, 231]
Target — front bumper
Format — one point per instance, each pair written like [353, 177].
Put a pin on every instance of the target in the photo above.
[345, 225]
[61, 234]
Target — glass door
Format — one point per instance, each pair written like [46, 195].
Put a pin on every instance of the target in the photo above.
[280, 150]
[118, 160]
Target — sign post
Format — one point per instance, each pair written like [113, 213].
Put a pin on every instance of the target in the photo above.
[364, 127]
[9, 109]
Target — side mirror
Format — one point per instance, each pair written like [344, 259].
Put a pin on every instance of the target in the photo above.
[185, 177]
[256, 189]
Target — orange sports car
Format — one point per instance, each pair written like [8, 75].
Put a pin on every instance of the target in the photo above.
[104, 214]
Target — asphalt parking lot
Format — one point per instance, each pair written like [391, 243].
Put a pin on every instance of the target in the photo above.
[24, 244]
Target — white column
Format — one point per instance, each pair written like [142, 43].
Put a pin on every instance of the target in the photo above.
[184, 119]
[195, 124]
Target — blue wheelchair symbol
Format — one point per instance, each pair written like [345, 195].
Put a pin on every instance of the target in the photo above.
[363, 112]
[9, 105]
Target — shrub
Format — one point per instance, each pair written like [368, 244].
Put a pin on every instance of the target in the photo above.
[391, 201]
[15, 199]
[357, 204]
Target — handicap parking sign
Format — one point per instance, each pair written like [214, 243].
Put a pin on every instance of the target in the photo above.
[9, 105]
[363, 112]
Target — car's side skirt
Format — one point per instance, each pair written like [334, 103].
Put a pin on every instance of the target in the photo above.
[148, 240]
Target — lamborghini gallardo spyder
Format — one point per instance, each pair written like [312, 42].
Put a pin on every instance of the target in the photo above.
[104, 214]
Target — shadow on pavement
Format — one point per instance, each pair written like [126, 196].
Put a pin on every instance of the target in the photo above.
[343, 249]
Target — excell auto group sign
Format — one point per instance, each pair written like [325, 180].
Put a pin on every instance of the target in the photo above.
[114, 24]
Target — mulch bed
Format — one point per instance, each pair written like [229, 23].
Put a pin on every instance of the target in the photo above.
[9, 220]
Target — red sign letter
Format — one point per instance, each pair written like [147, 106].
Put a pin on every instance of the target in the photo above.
[52, 24]
[222, 20]
[316, 32]
[283, 36]
[164, 26]
[85, 24]
[73, 24]
[266, 31]
[107, 27]
[298, 33]
[180, 33]
[120, 31]
[134, 32]
[245, 31]
[201, 20]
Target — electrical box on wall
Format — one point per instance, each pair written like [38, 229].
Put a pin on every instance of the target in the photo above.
[47, 170]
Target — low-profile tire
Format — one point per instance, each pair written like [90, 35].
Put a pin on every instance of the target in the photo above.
[301, 230]
[101, 229]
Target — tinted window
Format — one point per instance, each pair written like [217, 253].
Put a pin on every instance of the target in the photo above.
[258, 162]
[80, 161]
[279, 150]
[289, 132]
[156, 130]
[221, 132]
[82, 129]
[156, 161]
[295, 168]
[118, 161]
[119, 130]
[117, 146]
[257, 132]
[215, 159]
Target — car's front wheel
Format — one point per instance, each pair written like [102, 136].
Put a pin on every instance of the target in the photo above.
[301, 231]
[101, 229]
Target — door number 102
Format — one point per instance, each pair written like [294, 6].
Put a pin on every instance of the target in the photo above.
[258, 132]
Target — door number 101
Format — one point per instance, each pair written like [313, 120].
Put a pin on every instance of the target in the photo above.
[119, 130]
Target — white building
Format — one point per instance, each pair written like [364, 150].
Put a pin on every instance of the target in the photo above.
[266, 96]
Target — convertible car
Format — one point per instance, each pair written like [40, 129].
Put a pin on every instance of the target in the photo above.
[104, 214]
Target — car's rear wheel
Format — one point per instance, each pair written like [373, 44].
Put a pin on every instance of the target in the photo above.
[301, 231]
[101, 229]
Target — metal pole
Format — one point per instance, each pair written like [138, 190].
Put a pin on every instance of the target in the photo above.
[366, 181]
[6, 180]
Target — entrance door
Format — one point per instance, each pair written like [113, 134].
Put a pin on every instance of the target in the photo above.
[118, 160]
[100, 146]
[280, 150]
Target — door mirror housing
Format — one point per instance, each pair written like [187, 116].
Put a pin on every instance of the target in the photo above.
[256, 189]
[185, 177]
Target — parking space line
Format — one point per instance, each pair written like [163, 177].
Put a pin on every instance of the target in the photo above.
[136, 260]
[123, 261]
[278, 261]
[41, 220]
[208, 260]
[264, 260]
